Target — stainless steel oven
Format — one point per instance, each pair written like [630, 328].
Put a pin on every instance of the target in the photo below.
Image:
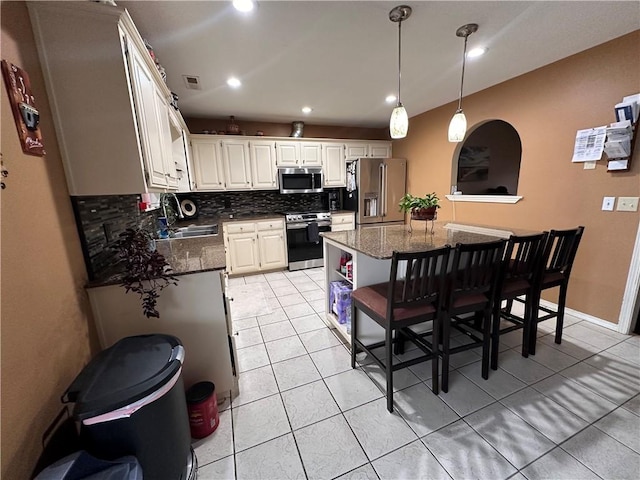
[304, 242]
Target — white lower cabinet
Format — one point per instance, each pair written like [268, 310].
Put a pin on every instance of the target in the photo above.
[343, 221]
[242, 253]
[255, 246]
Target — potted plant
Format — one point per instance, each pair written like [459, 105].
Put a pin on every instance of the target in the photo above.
[421, 208]
[147, 271]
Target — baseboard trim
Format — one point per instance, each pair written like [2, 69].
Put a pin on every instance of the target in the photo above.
[583, 316]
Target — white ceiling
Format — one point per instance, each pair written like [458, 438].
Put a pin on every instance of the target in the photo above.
[340, 57]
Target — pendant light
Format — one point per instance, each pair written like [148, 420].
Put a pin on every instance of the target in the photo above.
[399, 122]
[458, 125]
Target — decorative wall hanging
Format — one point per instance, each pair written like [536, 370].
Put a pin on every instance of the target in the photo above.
[24, 109]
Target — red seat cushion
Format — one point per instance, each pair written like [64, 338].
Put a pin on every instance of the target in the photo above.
[514, 288]
[374, 297]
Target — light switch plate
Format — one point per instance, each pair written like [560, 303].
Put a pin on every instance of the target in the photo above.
[607, 203]
[589, 165]
[627, 204]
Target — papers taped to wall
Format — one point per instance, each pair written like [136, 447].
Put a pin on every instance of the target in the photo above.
[589, 144]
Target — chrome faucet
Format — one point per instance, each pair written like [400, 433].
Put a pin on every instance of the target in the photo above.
[163, 198]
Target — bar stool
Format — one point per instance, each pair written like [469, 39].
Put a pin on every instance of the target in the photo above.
[519, 275]
[396, 305]
[471, 289]
[562, 246]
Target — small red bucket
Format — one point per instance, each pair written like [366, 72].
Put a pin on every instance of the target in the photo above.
[202, 405]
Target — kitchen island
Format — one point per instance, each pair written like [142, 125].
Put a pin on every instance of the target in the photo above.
[371, 249]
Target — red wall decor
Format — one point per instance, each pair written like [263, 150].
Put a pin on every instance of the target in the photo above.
[24, 109]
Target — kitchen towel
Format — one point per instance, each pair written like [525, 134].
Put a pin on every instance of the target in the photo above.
[313, 233]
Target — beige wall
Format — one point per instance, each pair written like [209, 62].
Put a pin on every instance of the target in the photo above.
[45, 333]
[546, 107]
[198, 125]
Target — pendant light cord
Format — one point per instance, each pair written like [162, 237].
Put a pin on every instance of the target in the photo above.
[399, 59]
[464, 58]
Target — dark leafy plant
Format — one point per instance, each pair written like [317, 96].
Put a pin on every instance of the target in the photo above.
[147, 272]
[408, 202]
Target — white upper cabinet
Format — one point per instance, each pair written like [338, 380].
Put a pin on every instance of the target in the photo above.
[263, 164]
[207, 163]
[180, 151]
[287, 153]
[355, 149]
[110, 115]
[237, 166]
[310, 154]
[380, 149]
[294, 153]
[334, 165]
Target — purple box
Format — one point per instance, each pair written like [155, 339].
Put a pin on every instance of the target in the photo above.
[341, 300]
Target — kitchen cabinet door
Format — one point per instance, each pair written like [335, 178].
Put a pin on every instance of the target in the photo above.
[154, 144]
[180, 151]
[287, 153]
[380, 150]
[334, 165]
[162, 111]
[263, 164]
[355, 150]
[310, 154]
[242, 253]
[207, 164]
[237, 167]
[273, 249]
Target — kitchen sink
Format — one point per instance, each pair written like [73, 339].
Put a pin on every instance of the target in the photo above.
[195, 231]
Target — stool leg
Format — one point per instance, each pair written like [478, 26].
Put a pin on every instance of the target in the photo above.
[445, 353]
[435, 343]
[495, 335]
[486, 343]
[562, 297]
[389, 370]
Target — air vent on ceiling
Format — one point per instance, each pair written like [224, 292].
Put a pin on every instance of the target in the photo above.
[192, 82]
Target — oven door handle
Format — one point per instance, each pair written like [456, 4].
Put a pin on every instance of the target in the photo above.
[300, 226]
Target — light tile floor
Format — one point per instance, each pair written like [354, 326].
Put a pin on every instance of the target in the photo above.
[571, 411]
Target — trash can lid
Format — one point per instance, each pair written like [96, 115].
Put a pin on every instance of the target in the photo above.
[129, 370]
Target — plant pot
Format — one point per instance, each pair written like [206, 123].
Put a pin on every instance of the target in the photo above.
[429, 213]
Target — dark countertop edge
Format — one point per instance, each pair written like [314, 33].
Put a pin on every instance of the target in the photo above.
[116, 281]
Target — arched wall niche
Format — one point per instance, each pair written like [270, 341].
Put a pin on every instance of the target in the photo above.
[487, 162]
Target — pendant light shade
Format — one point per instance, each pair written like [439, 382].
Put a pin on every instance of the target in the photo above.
[458, 124]
[399, 122]
[458, 127]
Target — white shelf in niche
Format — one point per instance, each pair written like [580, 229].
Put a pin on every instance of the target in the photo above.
[485, 198]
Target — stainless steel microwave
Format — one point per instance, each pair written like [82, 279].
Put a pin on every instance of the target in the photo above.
[300, 180]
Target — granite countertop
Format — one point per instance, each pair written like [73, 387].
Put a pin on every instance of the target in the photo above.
[381, 242]
[184, 255]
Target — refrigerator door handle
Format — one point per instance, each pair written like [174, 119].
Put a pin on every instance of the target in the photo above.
[383, 191]
[380, 211]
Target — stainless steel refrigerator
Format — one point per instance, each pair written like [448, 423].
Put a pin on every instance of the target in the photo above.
[379, 184]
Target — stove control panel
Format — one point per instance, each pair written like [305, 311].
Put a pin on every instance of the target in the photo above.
[308, 217]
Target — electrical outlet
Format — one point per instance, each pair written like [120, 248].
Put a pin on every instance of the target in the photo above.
[589, 165]
[627, 204]
[607, 203]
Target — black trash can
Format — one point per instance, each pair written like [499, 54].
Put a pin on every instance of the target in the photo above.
[130, 400]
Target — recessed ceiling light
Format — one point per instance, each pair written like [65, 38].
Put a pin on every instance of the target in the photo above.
[243, 5]
[233, 82]
[476, 52]
[307, 109]
[390, 98]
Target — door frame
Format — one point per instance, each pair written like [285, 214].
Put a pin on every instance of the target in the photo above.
[631, 297]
